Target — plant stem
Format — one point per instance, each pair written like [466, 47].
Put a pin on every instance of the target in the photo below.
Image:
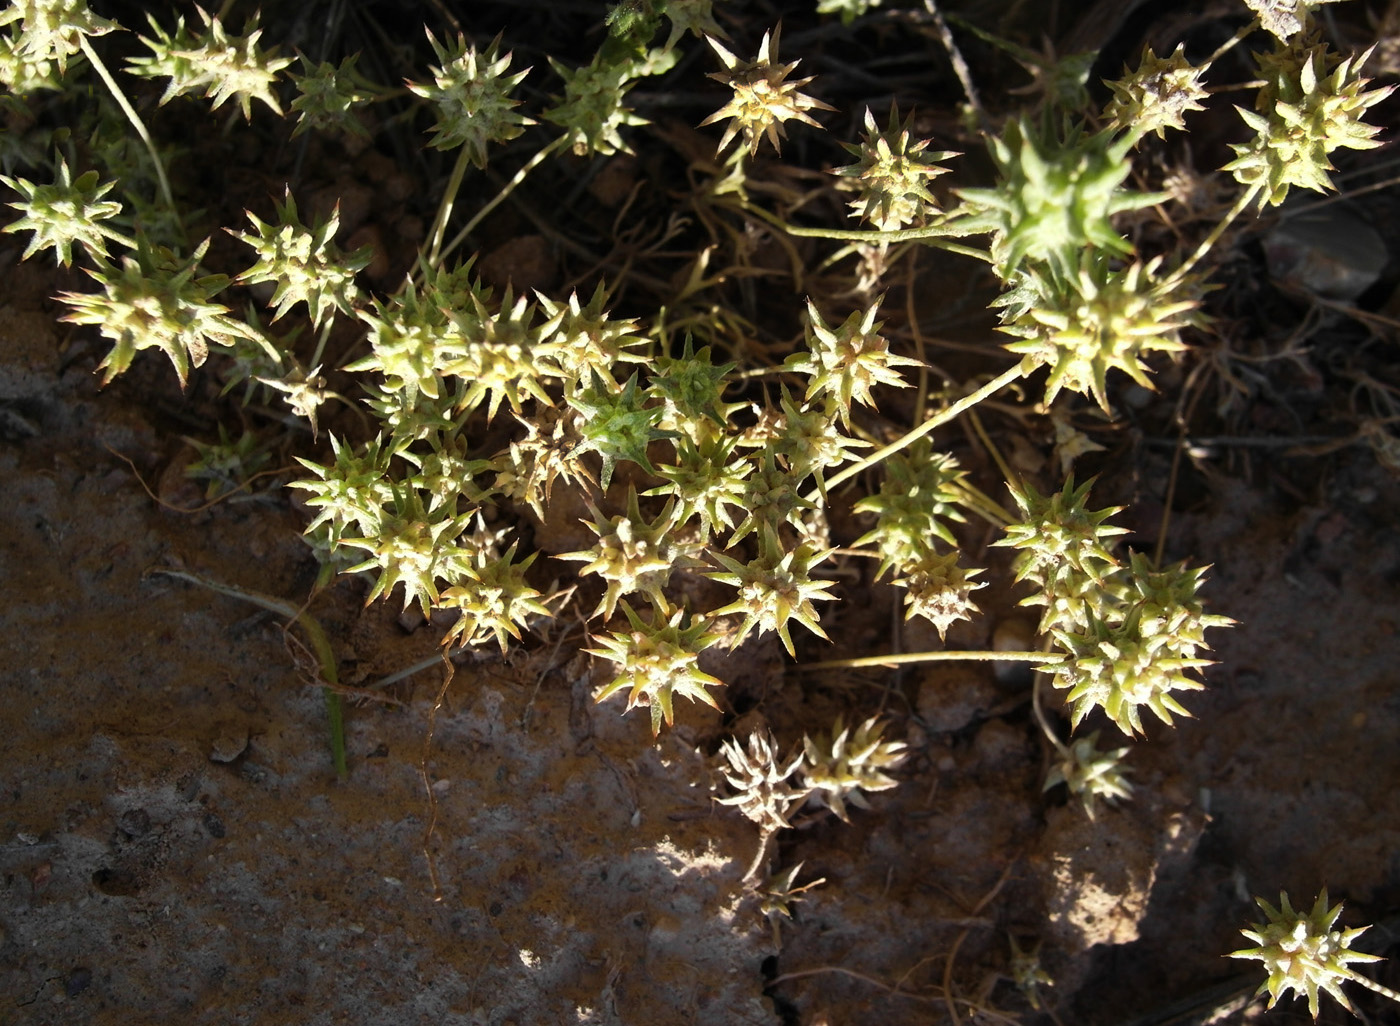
[759, 856]
[955, 57]
[945, 656]
[1229, 44]
[733, 182]
[1050, 735]
[1007, 474]
[320, 645]
[938, 419]
[510, 186]
[1210, 240]
[136, 123]
[934, 235]
[449, 198]
[321, 342]
[984, 505]
[1372, 985]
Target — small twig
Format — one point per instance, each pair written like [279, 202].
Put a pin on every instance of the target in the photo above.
[366, 693]
[549, 667]
[960, 68]
[937, 420]
[969, 655]
[1183, 417]
[320, 645]
[428, 784]
[447, 15]
[948, 998]
[136, 123]
[894, 991]
[1249, 441]
[194, 509]
[304, 657]
[842, 971]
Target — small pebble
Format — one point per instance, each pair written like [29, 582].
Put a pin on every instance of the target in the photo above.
[134, 823]
[1013, 634]
[228, 747]
[78, 981]
[1330, 252]
[951, 696]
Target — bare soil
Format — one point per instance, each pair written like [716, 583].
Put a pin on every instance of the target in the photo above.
[175, 843]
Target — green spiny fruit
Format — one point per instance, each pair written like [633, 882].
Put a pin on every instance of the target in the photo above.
[841, 765]
[1302, 953]
[657, 660]
[1311, 104]
[1056, 196]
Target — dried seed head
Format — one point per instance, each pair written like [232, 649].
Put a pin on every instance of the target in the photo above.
[840, 765]
[763, 98]
[1157, 95]
[760, 781]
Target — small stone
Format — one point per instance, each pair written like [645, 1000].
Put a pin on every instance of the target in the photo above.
[78, 981]
[378, 167]
[1013, 634]
[1330, 252]
[398, 187]
[228, 747]
[952, 696]
[134, 823]
[524, 262]
[1000, 748]
[615, 181]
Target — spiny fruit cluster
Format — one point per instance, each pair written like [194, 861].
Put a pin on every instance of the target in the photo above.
[707, 506]
[706, 493]
[834, 768]
[1302, 953]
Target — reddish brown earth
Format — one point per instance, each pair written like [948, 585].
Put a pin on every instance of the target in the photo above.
[174, 842]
